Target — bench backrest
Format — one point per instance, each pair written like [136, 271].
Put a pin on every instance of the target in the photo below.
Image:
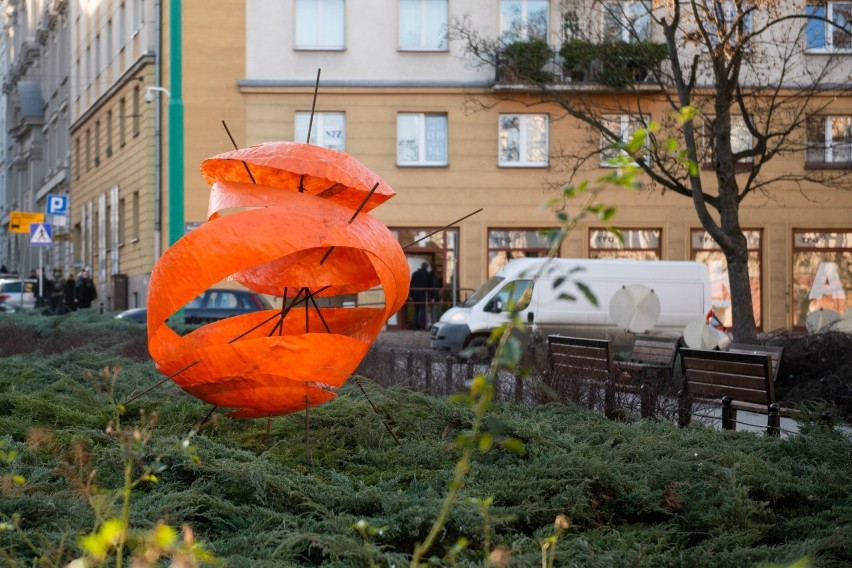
[745, 377]
[774, 352]
[654, 350]
[576, 356]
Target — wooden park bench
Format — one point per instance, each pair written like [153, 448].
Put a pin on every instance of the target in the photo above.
[737, 381]
[581, 368]
[776, 353]
[651, 365]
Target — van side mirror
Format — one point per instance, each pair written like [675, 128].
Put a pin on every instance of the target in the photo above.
[497, 305]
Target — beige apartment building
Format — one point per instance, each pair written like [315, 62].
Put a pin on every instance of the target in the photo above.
[121, 95]
[402, 98]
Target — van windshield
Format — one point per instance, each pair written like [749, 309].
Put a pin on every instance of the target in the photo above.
[483, 291]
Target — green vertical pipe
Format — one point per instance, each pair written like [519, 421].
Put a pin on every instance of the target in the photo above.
[176, 205]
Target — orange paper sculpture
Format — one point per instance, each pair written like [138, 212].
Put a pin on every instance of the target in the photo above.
[297, 229]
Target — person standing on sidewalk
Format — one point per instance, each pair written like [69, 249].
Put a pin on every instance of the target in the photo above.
[420, 294]
[85, 290]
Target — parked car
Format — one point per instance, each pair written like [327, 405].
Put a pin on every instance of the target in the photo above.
[212, 305]
[17, 293]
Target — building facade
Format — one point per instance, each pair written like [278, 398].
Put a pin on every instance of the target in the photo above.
[401, 94]
[452, 138]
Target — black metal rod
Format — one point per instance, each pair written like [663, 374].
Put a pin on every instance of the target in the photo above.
[325, 256]
[376, 410]
[285, 309]
[310, 126]
[206, 418]
[313, 106]
[149, 389]
[234, 142]
[308, 429]
[307, 311]
[363, 203]
[444, 227]
[267, 320]
[319, 313]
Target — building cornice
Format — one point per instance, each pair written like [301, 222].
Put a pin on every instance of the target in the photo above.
[128, 76]
[247, 84]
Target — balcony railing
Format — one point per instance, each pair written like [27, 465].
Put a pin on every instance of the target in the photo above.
[612, 65]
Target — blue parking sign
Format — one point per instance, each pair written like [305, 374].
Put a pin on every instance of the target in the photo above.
[57, 204]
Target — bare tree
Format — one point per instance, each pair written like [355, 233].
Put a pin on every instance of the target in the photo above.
[730, 84]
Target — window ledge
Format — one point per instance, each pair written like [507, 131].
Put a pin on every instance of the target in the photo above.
[421, 165]
[134, 240]
[740, 167]
[522, 165]
[318, 48]
[825, 51]
[828, 165]
[401, 49]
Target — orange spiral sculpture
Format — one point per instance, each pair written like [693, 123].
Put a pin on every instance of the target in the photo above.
[300, 231]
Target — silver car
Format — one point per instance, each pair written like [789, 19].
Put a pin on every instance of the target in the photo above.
[17, 293]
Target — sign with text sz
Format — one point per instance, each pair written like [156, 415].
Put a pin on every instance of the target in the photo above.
[20, 221]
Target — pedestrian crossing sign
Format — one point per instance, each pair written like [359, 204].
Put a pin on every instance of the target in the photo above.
[41, 234]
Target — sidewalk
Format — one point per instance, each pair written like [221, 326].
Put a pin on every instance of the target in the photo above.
[407, 339]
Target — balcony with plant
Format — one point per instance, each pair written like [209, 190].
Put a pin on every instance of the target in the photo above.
[524, 61]
[613, 64]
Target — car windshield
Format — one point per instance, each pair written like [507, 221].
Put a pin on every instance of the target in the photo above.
[10, 287]
[483, 291]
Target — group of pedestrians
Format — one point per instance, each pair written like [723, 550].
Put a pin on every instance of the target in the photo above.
[61, 295]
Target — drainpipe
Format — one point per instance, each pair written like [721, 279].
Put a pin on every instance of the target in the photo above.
[176, 205]
[158, 139]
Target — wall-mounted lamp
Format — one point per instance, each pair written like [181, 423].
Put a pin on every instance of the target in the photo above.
[149, 93]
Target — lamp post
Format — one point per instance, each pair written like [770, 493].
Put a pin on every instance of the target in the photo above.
[176, 198]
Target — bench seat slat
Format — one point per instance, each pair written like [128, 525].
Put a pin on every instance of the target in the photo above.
[738, 394]
[728, 379]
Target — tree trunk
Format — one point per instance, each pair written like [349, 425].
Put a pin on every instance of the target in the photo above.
[734, 245]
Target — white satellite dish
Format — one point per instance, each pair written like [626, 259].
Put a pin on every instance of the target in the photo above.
[821, 318]
[699, 334]
[635, 308]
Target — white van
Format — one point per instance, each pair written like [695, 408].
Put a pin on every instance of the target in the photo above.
[552, 303]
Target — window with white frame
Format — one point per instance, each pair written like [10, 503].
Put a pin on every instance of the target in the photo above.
[829, 140]
[328, 129]
[320, 24]
[624, 126]
[421, 139]
[524, 19]
[626, 21]
[724, 19]
[523, 140]
[823, 36]
[423, 24]
[741, 138]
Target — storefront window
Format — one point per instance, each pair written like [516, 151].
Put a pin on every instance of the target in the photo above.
[636, 244]
[822, 273]
[705, 249]
[440, 252]
[507, 244]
